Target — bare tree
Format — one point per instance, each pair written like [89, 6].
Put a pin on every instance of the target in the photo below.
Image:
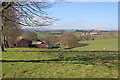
[27, 12]
[10, 30]
[52, 41]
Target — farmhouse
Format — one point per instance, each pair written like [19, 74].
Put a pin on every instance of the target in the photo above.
[20, 42]
[42, 45]
[90, 33]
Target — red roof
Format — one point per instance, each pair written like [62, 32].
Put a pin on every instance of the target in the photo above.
[42, 45]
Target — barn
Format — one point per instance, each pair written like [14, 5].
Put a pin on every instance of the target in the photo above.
[20, 42]
[41, 45]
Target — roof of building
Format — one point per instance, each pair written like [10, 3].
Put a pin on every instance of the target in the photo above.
[42, 45]
[18, 39]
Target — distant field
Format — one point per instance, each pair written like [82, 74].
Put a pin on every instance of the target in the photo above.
[105, 44]
[54, 33]
[42, 35]
[94, 45]
[41, 63]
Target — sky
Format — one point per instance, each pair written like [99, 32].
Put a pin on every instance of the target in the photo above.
[85, 15]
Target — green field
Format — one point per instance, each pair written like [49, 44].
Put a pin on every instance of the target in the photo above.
[87, 61]
[98, 45]
[63, 64]
[42, 35]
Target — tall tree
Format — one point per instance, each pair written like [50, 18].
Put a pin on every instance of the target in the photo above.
[29, 14]
[10, 30]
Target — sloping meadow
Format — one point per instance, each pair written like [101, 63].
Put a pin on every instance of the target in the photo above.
[43, 63]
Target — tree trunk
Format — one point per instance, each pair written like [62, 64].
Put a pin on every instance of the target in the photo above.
[2, 47]
[6, 44]
[2, 27]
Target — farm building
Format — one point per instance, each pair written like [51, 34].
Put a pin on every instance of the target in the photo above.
[90, 33]
[42, 45]
[20, 42]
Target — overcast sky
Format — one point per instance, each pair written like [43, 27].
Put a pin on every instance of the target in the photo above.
[85, 15]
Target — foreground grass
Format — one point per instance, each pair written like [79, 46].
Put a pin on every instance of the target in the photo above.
[38, 63]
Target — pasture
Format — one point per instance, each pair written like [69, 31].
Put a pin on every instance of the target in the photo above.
[87, 61]
[98, 45]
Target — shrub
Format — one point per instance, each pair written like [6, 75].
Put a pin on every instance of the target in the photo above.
[86, 37]
[68, 40]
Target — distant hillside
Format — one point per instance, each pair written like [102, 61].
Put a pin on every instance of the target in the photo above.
[40, 29]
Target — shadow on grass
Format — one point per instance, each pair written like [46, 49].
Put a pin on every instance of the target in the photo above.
[65, 50]
[77, 45]
[80, 60]
[81, 44]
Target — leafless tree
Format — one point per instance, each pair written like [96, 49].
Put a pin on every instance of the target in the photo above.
[52, 40]
[27, 14]
[10, 30]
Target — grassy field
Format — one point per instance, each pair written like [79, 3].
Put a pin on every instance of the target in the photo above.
[64, 64]
[42, 35]
[88, 61]
[98, 45]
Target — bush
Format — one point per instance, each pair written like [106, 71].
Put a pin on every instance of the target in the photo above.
[87, 37]
[68, 40]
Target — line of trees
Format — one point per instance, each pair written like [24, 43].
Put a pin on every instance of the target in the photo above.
[87, 37]
[65, 40]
